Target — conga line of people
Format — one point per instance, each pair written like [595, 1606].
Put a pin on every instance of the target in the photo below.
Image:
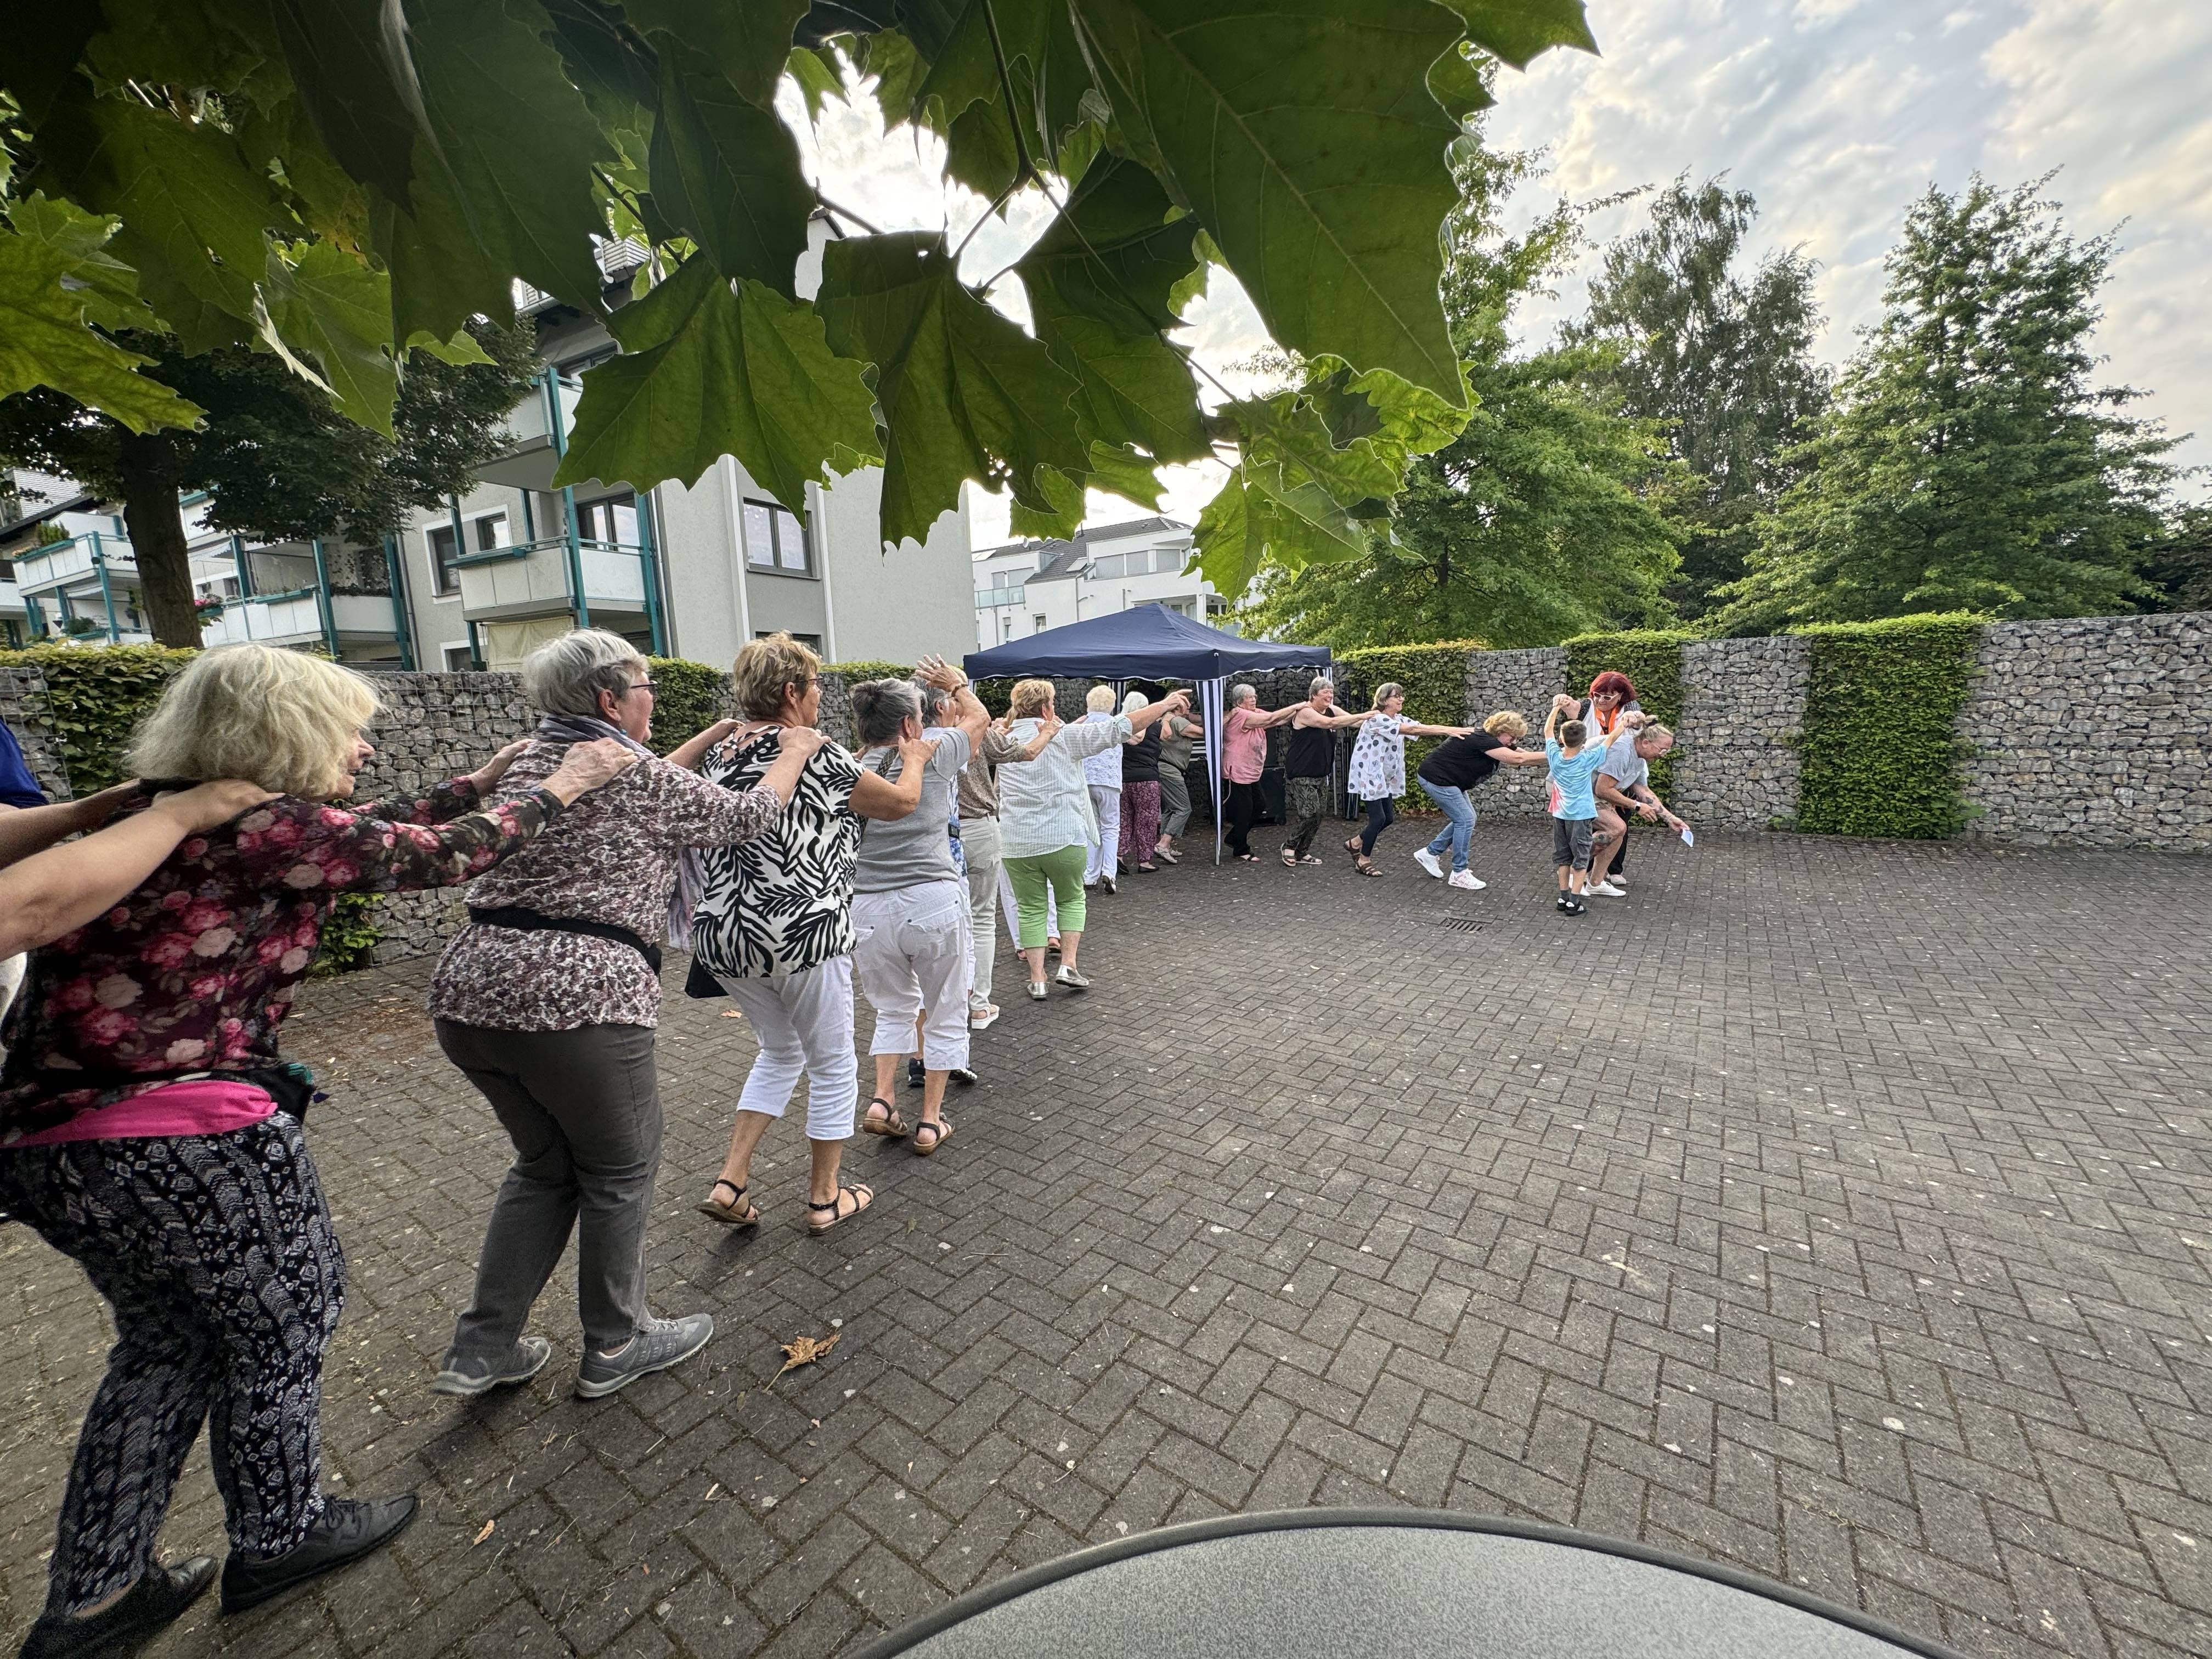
[150, 1128]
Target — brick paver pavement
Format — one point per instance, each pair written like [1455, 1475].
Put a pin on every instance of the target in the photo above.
[1838, 1210]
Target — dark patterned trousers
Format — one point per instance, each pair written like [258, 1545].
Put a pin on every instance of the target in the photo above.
[216, 1257]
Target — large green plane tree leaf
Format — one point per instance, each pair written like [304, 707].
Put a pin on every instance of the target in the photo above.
[345, 184]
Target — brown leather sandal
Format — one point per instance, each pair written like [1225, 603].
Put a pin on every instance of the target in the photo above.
[891, 1124]
[861, 1195]
[939, 1133]
[735, 1214]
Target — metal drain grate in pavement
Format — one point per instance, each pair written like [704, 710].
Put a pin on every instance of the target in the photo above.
[1461, 924]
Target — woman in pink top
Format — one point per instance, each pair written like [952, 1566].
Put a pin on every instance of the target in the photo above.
[149, 1129]
[1243, 758]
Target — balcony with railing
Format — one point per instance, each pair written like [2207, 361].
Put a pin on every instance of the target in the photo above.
[89, 561]
[537, 435]
[303, 616]
[535, 578]
[988, 598]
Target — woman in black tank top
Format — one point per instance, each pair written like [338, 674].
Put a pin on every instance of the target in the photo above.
[1309, 766]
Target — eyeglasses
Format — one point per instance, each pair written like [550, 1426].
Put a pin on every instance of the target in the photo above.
[643, 685]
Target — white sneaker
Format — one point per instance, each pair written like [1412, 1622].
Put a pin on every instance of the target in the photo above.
[1427, 860]
[1607, 890]
[1465, 881]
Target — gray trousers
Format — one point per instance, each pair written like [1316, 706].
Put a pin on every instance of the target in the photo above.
[584, 1113]
[1175, 800]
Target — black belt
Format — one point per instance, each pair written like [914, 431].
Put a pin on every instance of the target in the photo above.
[530, 921]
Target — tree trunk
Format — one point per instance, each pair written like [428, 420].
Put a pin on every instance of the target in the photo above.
[157, 523]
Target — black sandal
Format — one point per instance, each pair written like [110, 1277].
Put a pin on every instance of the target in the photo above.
[737, 1212]
[891, 1124]
[862, 1196]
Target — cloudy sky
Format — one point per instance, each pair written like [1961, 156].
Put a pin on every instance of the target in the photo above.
[1835, 114]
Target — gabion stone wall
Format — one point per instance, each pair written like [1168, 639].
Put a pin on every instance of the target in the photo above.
[434, 727]
[23, 706]
[2091, 732]
[1735, 756]
[1526, 681]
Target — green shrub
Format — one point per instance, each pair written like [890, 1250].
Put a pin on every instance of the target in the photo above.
[1652, 658]
[97, 696]
[868, 669]
[1880, 752]
[350, 937]
[687, 697]
[1435, 678]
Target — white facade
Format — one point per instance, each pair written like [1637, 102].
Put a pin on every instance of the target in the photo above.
[1029, 586]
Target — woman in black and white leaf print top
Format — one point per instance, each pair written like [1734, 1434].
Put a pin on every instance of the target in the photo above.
[774, 926]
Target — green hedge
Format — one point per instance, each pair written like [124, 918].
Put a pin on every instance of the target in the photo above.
[687, 698]
[1880, 752]
[1652, 658]
[867, 668]
[1435, 678]
[97, 694]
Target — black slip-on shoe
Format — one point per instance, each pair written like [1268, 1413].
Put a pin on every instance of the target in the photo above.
[150, 1606]
[348, 1529]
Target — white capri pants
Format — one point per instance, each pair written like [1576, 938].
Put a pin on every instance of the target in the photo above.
[1100, 862]
[912, 954]
[803, 1024]
[979, 837]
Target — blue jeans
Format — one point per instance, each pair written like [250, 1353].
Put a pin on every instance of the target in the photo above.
[1460, 830]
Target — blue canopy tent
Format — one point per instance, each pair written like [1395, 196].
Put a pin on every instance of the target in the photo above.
[1148, 642]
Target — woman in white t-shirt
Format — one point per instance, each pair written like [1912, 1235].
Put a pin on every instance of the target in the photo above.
[1377, 774]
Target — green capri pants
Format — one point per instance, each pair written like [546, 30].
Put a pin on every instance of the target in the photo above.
[1062, 871]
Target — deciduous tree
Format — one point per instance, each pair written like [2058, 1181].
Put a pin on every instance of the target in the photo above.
[1723, 356]
[1546, 514]
[277, 459]
[1969, 461]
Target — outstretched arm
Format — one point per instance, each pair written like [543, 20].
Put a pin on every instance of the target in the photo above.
[28, 829]
[52, 892]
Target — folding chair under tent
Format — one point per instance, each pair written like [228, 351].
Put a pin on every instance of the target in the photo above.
[1149, 642]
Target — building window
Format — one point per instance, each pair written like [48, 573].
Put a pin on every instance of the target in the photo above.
[812, 641]
[612, 519]
[485, 532]
[460, 659]
[1036, 624]
[775, 540]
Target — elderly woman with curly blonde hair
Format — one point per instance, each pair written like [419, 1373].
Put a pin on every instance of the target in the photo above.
[150, 1129]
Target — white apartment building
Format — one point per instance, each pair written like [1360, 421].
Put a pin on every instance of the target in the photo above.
[691, 573]
[1026, 587]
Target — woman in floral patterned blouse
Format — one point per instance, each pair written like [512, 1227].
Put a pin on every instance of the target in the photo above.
[142, 1132]
[549, 1000]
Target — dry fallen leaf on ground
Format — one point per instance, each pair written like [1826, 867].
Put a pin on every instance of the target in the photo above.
[485, 1533]
[804, 1351]
[731, 1013]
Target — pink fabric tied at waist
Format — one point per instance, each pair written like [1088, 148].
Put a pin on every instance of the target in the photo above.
[202, 1107]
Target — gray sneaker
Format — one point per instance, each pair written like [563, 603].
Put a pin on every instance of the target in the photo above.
[477, 1376]
[662, 1343]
